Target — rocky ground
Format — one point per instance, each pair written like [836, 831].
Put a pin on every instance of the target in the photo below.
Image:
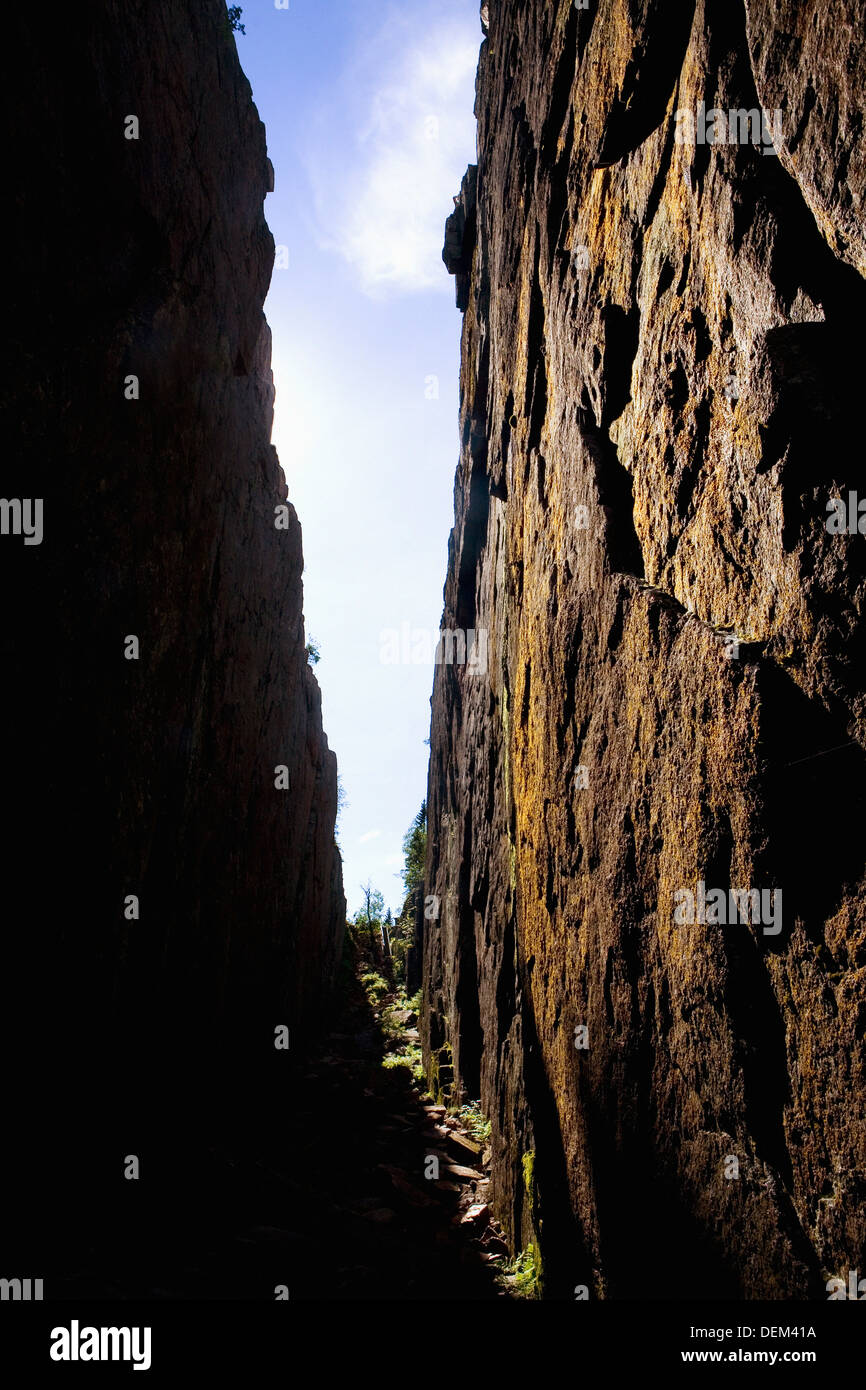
[313, 1183]
[367, 1222]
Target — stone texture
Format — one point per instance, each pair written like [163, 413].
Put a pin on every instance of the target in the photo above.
[809, 60]
[157, 777]
[413, 912]
[659, 394]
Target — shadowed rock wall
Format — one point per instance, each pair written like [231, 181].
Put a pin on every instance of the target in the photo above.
[660, 395]
[154, 777]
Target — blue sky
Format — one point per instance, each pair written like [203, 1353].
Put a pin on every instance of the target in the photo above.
[368, 107]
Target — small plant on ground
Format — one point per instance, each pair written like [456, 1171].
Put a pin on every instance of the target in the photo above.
[473, 1121]
[520, 1275]
[403, 1051]
[375, 986]
[391, 1028]
[409, 1056]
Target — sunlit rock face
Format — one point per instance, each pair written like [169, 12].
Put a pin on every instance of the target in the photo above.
[154, 778]
[659, 403]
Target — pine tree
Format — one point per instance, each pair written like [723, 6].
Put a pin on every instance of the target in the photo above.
[415, 851]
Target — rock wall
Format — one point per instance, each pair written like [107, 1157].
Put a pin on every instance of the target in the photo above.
[660, 397]
[141, 251]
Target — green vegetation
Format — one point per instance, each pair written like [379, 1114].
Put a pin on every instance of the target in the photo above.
[442, 1074]
[522, 1275]
[402, 936]
[528, 1164]
[376, 987]
[387, 943]
[342, 803]
[381, 946]
[408, 1056]
[392, 1026]
[473, 1121]
[369, 920]
[402, 932]
[388, 1004]
[235, 13]
[415, 851]
[314, 656]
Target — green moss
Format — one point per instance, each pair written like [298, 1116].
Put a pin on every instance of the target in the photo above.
[534, 1280]
[506, 751]
[440, 1087]
[528, 1164]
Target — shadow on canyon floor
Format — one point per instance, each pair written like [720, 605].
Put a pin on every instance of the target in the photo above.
[314, 1182]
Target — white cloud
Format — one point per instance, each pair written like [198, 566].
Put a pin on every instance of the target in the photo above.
[370, 835]
[384, 191]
